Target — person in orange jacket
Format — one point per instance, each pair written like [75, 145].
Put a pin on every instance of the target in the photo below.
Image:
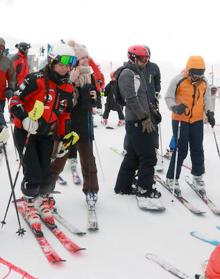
[20, 62]
[187, 96]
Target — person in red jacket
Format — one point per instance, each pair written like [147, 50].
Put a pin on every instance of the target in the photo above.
[7, 76]
[20, 62]
[47, 86]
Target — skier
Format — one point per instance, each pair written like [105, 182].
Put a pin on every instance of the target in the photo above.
[7, 76]
[20, 62]
[153, 79]
[111, 103]
[186, 97]
[214, 91]
[140, 131]
[44, 86]
[84, 101]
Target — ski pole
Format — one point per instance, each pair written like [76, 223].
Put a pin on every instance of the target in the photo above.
[13, 137]
[216, 143]
[34, 114]
[176, 156]
[161, 145]
[99, 159]
[21, 230]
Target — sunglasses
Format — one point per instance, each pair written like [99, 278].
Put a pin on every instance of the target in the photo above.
[67, 60]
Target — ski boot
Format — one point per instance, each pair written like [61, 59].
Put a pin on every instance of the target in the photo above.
[73, 165]
[170, 184]
[91, 199]
[149, 199]
[199, 184]
[121, 123]
[104, 122]
[45, 210]
[31, 215]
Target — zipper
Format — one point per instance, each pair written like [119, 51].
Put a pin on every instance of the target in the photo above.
[193, 103]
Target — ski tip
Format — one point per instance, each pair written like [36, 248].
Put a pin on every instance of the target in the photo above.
[93, 229]
[80, 233]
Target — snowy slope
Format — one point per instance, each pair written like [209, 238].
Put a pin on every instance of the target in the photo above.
[126, 233]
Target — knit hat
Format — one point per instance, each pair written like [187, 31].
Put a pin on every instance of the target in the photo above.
[80, 50]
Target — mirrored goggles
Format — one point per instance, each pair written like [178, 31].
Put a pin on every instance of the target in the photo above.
[68, 60]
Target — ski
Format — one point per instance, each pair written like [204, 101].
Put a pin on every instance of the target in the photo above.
[61, 181]
[45, 246]
[76, 178]
[71, 228]
[67, 243]
[203, 238]
[17, 269]
[181, 199]
[167, 266]
[109, 128]
[92, 219]
[204, 197]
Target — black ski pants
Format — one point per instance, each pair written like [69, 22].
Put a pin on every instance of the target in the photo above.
[36, 162]
[119, 111]
[140, 156]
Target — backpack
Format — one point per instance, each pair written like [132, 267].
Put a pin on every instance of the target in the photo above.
[119, 99]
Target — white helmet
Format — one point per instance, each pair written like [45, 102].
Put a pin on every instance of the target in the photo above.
[62, 53]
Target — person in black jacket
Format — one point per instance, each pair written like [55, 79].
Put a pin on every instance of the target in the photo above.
[111, 103]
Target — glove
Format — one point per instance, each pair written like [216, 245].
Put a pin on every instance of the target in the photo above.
[102, 93]
[64, 145]
[179, 109]
[4, 134]
[9, 93]
[148, 126]
[30, 126]
[211, 119]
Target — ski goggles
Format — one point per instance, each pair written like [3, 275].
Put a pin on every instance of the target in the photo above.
[67, 60]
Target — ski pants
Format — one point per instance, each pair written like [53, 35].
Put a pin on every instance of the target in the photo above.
[140, 156]
[36, 162]
[191, 134]
[119, 111]
[88, 166]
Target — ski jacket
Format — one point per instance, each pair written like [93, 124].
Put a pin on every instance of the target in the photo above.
[57, 98]
[21, 67]
[7, 76]
[153, 80]
[213, 267]
[133, 89]
[196, 97]
[98, 76]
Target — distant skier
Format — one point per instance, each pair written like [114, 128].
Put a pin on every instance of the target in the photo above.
[111, 103]
[20, 62]
[7, 76]
[187, 96]
[44, 86]
[140, 129]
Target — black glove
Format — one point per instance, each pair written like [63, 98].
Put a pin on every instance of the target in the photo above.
[9, 93]
[147, 126]
[179, 109]
[211, 118]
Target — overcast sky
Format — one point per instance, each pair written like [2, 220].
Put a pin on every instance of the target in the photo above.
[173, 29]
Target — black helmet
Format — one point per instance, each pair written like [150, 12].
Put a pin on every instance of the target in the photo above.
[23, 47]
